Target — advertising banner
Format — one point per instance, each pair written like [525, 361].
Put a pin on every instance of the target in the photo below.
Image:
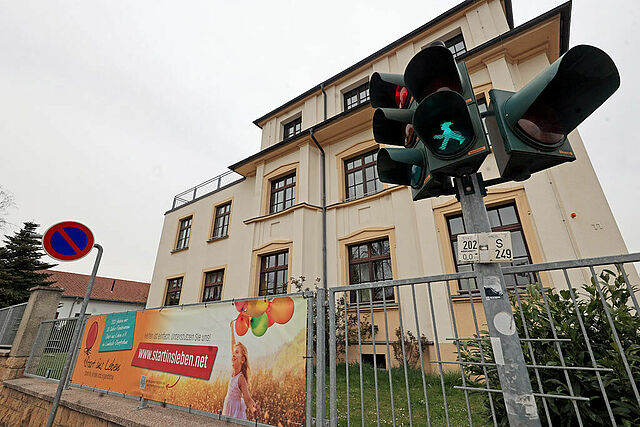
[244, 359]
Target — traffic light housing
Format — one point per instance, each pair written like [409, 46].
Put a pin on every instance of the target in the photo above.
[447, 118]
[529, 128]
[393, 125]
[432, 112]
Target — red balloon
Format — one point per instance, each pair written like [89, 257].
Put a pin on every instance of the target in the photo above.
[281, 309]
[271, 321]
[92, 335]
[242, 324]
[241, 305]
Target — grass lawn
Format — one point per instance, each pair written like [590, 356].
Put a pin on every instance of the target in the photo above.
[455, 398]
[53, 361]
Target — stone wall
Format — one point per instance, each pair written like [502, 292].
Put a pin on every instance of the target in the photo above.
[20, 409]
[11, 367]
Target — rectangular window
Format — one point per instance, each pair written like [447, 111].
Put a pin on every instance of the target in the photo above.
[221, 222]
[183, 233]
[370, 262]
[273, 273]
[456, 45]
[213, 285]
[292, 128]
[357, 96]
[283, 193]
[501, 218]
[361, 175]
[174, 288]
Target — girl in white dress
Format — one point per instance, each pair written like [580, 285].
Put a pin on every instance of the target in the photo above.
[238, 397]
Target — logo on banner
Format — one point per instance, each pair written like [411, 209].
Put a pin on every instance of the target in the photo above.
[190, 360]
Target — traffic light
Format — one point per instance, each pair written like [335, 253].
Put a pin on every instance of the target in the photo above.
[393, 125]
[529, 128]
[446, 119]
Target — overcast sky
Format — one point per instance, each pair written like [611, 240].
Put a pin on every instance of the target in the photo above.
[110, 108]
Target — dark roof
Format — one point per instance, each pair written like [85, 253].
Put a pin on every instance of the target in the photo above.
[565, 20]
[104, 288]
[391, 46]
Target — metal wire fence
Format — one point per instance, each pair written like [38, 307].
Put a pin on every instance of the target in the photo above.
[51, 348]
[10, 318]
[418, 351]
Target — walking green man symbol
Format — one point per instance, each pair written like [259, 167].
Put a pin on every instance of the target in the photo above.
[447, 134]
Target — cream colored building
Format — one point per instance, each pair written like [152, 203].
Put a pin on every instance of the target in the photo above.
[275, 208]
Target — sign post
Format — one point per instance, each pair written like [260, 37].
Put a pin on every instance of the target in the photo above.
[507, 350]
[70, 241]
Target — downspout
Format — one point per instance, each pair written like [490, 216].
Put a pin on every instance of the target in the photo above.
[324, 211]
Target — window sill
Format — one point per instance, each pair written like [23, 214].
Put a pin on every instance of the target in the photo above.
[216, 239]
[179, 250]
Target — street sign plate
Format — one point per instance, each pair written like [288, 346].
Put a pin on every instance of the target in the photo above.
[468, 248]
[68, 241]
[500, 249]
[484, 248]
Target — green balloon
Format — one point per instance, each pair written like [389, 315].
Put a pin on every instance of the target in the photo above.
[259, 324]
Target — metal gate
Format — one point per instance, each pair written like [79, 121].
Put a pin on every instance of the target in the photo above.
[51, 348]
[416, 350]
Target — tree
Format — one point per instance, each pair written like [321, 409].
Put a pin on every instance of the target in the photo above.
[6, 202]
[20, 266]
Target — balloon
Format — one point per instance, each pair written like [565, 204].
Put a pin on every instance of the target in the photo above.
[271, 321]
[257, 307]
[242, 324]
[92, 335]
[281, 309]
[259, 324]
[241, 305]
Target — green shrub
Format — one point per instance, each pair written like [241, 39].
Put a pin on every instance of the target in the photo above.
[585, 383]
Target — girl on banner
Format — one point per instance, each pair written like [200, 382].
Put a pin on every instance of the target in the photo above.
[238, 397]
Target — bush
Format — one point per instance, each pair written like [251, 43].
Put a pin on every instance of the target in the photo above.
[411, 349]
[585, 383]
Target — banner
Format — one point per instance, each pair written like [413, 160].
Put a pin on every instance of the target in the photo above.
[244, 360]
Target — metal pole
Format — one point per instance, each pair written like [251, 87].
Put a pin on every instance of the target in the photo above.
[512, 369]
[320, 357]
[76, 337]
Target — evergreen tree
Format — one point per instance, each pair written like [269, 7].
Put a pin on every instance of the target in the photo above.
[20, 266]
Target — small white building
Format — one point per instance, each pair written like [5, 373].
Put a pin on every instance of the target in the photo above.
[108, 295]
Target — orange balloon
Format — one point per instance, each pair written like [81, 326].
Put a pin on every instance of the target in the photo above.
[281, 309]
[257, 307]
[242, 324]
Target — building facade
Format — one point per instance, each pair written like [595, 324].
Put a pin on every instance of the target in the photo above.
[250, 237]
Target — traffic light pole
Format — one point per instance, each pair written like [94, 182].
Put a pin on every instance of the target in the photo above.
[507, 350]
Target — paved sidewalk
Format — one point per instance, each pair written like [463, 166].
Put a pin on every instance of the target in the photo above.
[111, 408]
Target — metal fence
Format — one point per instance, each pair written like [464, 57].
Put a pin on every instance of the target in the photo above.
[10, 318]
[418, 351]
[206, 188]
[51, 347]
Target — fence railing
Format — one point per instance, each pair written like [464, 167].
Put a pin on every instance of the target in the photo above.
[51, 348]
[417, 351]
[10, 318]
[209, 186]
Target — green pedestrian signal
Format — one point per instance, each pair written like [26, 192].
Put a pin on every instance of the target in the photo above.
[529, 128]
[446, 119]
